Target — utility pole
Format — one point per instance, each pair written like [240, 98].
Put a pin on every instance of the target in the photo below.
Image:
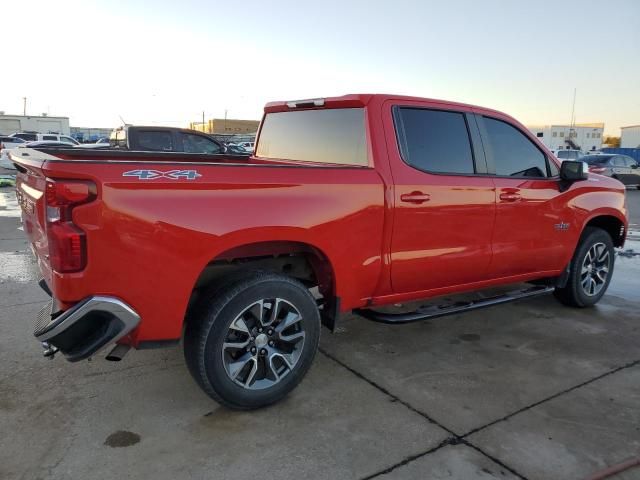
[24, 106]
[225, 119]
[573, 109]
[203, 128]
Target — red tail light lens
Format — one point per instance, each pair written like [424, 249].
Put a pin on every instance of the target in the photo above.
[67, 242]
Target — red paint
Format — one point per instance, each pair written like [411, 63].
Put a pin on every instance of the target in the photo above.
[389, 232]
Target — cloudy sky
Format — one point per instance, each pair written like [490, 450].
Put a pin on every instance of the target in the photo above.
[164, 62]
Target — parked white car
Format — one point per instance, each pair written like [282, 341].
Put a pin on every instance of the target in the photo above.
[247, 146]
[7, 143]
[45, 137]
[568, 154]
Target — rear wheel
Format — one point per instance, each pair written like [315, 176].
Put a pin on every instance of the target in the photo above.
[590, 270]
[251, 343]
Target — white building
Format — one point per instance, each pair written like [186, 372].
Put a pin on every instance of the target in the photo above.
[41, 124]
[582, 136]
[630, 137]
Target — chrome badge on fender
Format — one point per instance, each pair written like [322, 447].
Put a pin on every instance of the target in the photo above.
[171, 174]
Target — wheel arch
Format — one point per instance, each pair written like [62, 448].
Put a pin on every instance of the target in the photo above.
[297, 259]
[610, 223]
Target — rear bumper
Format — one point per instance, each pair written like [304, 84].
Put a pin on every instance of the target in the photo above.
[87, 327]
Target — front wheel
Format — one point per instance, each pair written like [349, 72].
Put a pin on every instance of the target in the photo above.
[590, 270]
[252, 342]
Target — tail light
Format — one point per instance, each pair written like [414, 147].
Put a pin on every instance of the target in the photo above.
[67, 242]
[597, 169]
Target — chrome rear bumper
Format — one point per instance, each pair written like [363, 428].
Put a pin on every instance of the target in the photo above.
[87, 327]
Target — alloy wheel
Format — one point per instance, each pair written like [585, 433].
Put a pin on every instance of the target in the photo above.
[595, 269]
[263, 343]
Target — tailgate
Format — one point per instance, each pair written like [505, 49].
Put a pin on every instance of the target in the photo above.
[30, 188]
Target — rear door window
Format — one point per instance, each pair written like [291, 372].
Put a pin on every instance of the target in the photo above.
[27, 136]
[50, 137]
[435, 141]
[158, 140]
[513, 153]
[323, 136]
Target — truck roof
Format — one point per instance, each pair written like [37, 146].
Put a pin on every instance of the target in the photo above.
[355, 100]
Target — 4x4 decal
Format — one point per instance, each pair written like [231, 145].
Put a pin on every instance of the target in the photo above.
[171, 174]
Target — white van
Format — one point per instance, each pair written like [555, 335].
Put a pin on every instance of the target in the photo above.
[39, 137]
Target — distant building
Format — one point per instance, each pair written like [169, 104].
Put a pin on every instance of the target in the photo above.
[89, 134]
[581, 136]
[226, 126]
[630, 137]
[40, 124]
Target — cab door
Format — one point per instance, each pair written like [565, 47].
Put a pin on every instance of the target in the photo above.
[533, 221]
[444, 201]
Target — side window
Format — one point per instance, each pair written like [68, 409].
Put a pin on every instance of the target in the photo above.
[49, 137]
[629, 161]
[156, 141]
[618, 162]
[434, 140]
[514, 155]
[553, 169]
[199, 144]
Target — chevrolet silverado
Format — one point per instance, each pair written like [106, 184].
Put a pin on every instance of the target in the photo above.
[347, 204]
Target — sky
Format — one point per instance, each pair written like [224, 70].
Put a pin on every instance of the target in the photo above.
[165, 62]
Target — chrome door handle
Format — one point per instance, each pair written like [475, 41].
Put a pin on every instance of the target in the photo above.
[415, 197]
[509, 196]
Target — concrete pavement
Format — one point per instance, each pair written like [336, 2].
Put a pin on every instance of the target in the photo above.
[529, 390]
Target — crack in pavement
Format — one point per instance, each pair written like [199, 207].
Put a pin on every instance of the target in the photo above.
[551, 397]
[454, 438]
[26, 303]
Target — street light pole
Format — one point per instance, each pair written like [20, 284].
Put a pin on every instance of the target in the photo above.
[24, 106]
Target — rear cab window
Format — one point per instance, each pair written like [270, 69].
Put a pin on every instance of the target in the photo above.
[332, 136]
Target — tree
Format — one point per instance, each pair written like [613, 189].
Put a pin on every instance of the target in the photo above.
[612, 142]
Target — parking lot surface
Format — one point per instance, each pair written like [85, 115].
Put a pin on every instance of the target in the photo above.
[528, 390]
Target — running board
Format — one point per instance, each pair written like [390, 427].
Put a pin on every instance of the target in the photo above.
[435, 311]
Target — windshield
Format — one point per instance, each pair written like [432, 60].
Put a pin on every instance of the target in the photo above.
[596, 159]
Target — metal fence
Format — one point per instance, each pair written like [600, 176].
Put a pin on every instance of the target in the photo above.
[632, 152]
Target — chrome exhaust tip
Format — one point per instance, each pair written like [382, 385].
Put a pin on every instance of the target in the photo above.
[117, 353]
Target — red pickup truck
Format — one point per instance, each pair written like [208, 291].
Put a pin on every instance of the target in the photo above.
[349, 203]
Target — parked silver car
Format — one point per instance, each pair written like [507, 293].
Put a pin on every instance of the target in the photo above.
[621, 167]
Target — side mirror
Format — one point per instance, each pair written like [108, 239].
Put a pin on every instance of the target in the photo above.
[573, 171]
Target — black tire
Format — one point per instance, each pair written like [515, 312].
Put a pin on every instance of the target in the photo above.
[210, 325]
[575, 294]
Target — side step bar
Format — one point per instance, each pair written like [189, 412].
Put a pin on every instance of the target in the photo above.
[435, 311]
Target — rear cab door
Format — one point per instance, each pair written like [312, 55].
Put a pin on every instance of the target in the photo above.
[444, 201]
[532, 218]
